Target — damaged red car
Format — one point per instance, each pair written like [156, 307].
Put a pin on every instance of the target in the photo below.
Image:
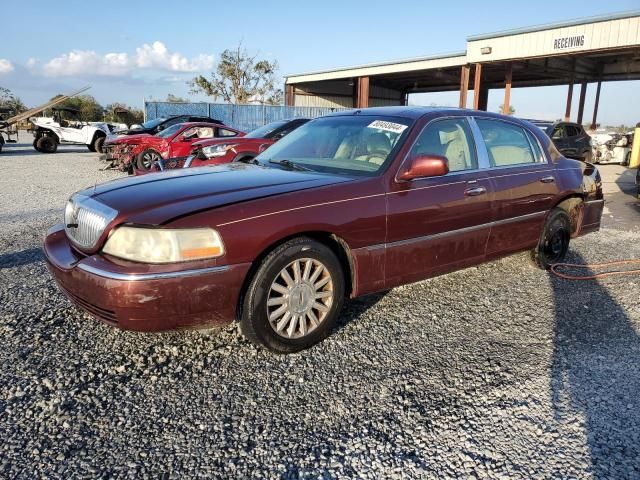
[132, 152]
[240, 149]
[348, 204]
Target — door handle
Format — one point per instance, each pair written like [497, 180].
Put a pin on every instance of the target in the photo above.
[475, 191]
[548, 179]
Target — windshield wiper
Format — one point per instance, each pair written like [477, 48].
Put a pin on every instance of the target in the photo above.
[290, 165]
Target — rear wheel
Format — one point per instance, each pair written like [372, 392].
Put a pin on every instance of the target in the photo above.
[146, 159]
[294, 298]
[47, 145]
[554, 240]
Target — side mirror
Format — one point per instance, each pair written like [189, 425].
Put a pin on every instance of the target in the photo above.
[424, 166]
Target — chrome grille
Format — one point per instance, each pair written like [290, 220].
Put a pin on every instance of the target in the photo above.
[85, 220]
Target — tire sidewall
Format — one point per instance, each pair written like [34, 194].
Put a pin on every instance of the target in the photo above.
[255, 311]
[97, 145]
[140, 160]
[557, 219]
[47, 145]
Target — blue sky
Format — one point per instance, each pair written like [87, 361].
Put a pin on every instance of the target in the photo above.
[131, 50]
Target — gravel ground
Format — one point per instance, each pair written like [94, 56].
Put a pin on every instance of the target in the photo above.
[498, 371]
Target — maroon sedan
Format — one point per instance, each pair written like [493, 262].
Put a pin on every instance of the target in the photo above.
[348, 204]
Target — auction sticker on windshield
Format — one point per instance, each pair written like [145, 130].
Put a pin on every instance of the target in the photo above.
[388, 126]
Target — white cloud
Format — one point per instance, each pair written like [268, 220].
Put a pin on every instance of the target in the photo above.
[5, 66]
[158, 56]
[87, 62]
[155, 57]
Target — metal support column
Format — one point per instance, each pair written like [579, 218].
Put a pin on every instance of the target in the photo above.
[464, 85]
[477, 81]
[289, 95]
[583, 94]
[567, 110]
[362, 92]
[508, 76]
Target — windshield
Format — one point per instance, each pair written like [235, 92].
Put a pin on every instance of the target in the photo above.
[265, 130]
[350, 144]
[170, 131]
[153, 123]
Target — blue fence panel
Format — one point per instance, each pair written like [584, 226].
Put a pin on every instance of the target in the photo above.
[243, 117]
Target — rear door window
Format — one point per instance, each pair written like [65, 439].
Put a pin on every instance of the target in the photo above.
[507, 144]
[223, 132]
[571, 131]
[558, 132]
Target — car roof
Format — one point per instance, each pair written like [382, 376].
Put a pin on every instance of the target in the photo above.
[197, 124]
[416, 112]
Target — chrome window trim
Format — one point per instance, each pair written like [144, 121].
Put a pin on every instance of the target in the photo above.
[464, 118]
[483, 157]
[529, 135]
[129, 277]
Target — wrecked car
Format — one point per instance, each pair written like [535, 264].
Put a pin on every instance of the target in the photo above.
[131, 152]
[239, 149]
[346, 205]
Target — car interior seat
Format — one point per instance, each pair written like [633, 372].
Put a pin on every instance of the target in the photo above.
[378, 147]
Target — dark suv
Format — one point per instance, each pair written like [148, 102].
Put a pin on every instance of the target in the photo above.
[570, 138]
[158, 124]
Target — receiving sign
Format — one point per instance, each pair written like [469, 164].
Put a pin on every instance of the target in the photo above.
[568, 42]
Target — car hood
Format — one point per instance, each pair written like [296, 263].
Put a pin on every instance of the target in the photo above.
[158, 198]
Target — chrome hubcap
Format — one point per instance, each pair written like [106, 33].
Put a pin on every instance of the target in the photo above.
[300, 298]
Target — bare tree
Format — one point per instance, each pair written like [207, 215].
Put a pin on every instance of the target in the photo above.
[241, 78]
[10, 102]
[175, 99]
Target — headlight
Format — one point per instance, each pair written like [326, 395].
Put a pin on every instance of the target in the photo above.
[213, 151]
[159, 245]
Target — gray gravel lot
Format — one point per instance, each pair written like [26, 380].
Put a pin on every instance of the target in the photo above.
[498, 371]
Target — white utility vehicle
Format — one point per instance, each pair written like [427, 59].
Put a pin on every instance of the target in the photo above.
[49, 132]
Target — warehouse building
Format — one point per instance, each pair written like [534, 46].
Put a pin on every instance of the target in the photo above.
[573, 53]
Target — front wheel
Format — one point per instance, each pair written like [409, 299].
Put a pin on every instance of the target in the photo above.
[554, 240]
[47, 145]
[146, 159]
[294, 298]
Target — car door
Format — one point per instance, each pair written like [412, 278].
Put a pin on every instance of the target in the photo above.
[438, 224]
[524, 182]
[181, 144]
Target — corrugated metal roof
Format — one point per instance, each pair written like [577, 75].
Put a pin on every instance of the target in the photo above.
[381, 64]
[549, 26]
